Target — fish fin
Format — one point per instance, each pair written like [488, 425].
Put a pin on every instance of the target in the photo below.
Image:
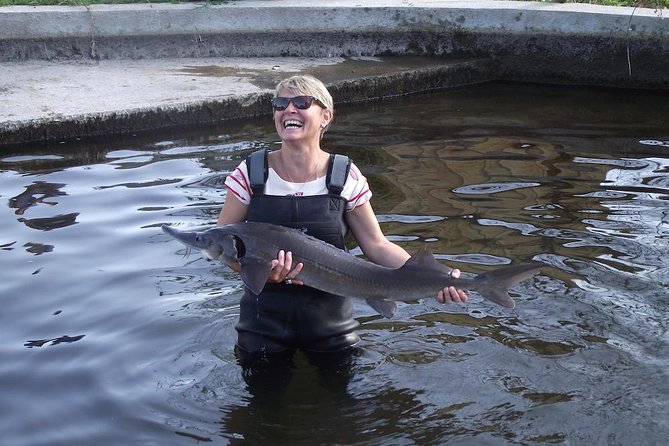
[385, 308]
[494, 285]
[254, 273]
[424, 259]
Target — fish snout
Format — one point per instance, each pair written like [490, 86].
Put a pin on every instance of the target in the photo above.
[189, 238]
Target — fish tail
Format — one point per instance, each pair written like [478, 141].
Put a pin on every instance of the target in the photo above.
[494, 285]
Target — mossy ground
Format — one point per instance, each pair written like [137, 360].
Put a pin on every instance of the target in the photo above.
[639, 3]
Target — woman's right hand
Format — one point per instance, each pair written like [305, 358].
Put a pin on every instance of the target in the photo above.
[282, 269]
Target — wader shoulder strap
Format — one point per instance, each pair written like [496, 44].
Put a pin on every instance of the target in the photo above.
[337, 173]
[256, 167]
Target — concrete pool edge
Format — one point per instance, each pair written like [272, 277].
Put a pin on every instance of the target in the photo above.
[576, 44]
[248, 100]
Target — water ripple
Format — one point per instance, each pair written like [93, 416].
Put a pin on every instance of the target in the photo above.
[491, 188]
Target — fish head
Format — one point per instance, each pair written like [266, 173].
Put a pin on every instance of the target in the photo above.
[214, 243]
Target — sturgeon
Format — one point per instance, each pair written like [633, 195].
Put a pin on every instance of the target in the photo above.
[254, 245]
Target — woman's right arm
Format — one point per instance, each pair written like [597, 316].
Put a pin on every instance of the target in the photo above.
[233, 211]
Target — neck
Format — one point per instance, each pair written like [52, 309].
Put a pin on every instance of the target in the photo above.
[299, 166]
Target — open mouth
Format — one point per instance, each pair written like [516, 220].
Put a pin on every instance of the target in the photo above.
[292, 124]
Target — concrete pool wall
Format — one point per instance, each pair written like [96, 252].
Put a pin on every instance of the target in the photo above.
[73, 72]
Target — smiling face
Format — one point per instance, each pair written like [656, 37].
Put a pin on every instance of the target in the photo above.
[294, 124]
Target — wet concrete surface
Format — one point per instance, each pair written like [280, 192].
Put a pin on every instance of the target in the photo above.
[71, 99]
[73, 72]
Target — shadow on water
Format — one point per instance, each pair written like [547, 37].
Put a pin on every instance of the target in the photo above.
[108, 319]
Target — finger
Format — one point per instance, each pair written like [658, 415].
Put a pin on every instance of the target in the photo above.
[292, 276]
[272, 271]
[288, 262]
[281, 257]
[455, 273]
[277, 274]
[296, 271]
[457, 295]
[463, 295]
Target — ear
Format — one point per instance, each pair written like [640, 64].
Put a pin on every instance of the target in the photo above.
[326, 117]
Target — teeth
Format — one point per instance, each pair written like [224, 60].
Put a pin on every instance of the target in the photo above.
[292, 123]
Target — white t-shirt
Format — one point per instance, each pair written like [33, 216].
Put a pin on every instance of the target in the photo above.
[356, 190]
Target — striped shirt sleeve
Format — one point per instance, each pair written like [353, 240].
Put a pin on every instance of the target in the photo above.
[356, 190]
[238, 184]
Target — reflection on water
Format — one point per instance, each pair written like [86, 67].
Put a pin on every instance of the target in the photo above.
[35, 193]
[49, 223]
[110, 321]
[54, 341]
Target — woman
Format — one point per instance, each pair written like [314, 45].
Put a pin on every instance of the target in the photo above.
[302, 186]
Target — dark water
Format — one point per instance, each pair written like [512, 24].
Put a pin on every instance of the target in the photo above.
[111, 335]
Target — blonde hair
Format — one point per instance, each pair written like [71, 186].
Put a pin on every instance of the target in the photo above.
[304, 84]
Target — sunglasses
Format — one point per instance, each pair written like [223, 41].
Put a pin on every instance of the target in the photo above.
[300, 102]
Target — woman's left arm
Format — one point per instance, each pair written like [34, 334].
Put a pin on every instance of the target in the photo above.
[378, 249]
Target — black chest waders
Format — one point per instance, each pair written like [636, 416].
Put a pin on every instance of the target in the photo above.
[288, 317]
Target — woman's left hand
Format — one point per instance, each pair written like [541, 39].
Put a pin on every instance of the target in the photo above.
[450, 294]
